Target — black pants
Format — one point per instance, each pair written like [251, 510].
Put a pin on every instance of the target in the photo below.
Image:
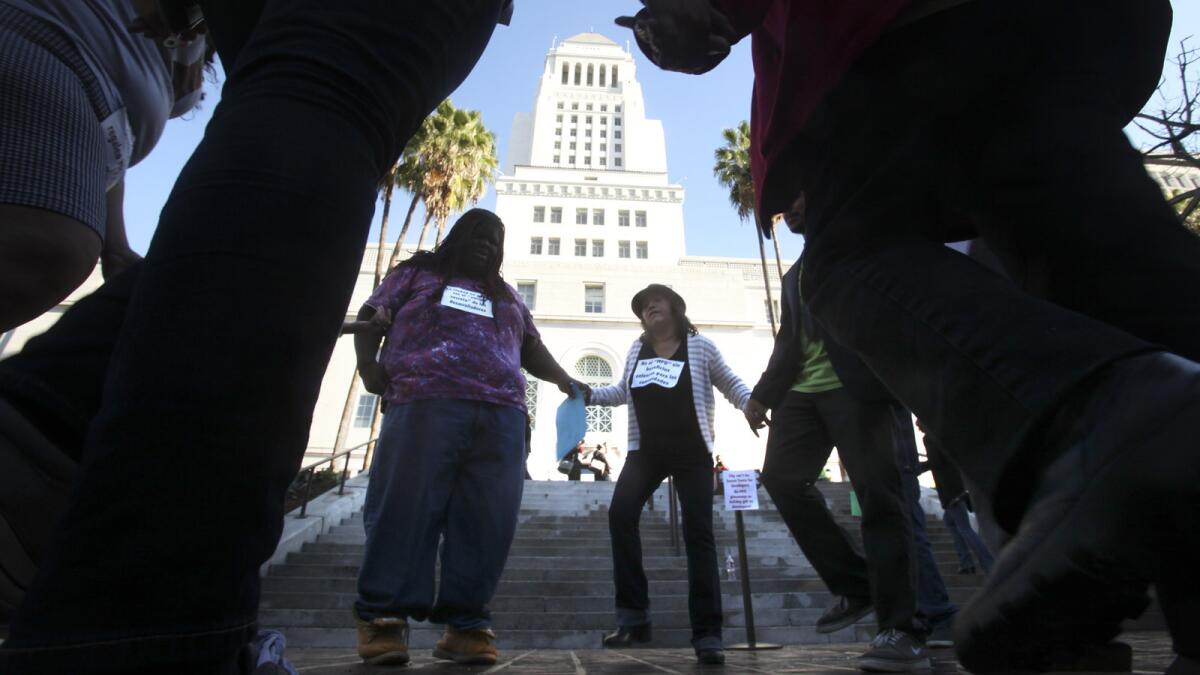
[804, 430]
[206, 402]
[1006, 118]
[643, 472]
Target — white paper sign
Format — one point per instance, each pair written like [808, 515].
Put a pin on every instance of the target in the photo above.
[467, 301]
[663, 372]
[741, 490]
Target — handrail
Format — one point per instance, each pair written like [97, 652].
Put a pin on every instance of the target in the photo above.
[311, 469]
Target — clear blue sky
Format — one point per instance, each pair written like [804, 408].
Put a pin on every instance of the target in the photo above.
[693, 110]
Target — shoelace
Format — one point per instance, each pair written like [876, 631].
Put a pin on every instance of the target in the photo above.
[888, 637]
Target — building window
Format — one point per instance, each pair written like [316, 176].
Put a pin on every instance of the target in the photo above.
[616, 133]
[597, 248]
[552, 248]
[572, 146]
[539, 214]
[603, 107]
[573, 130]
[578, 72]
[558, 118]
[581, 247]
[596, 372]
[622, 249]
[768, 306]
[556, 214]
[365, 410]
[588, 106]
[581, 216]
[622, 219]
[587, 146]
[593, 299]
[643, 251]
[603, 147]
[587, 160]
[588, 119]
[558, 131]
[591, 69]
[587, 131]
[604, 133]
[574, 106]
[535, 245]
[560, 104]
[616, 161]
[528, 292]
[557, 145]
[616, 147]
[639, 218]
[616, 121]
[614, 81]
[531, 396]
[574, 119]
[557, 159]
[617, 108]
[597, 216]
[603, 161]
[603, 121]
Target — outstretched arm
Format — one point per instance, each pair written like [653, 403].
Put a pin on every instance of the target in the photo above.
[536, 359]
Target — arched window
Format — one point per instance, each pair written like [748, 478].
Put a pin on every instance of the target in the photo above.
[578, 72]
[596, 372]
[603, 71]
[531, 397]
[566, 73]
[614, 76]
[589, 75]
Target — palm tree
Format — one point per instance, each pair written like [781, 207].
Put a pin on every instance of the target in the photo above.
[732, 169]
[457, 160]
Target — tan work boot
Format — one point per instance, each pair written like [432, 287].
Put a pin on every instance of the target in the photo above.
[383, 641]
[469, 647]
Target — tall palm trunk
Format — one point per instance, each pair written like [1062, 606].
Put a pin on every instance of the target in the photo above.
[424, 229]
[762, 254]
[441, 227]
[383, 227]
[778, 257]
[403, 232]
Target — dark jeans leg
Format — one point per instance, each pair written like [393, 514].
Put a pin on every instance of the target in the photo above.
[693, 483]
[482, 516]
[228, 333]
[798, 446]
[966, 540]
[933, 602]
[1044, 174]
[412, 478]
[57, 378]
[639, 478]
[865, 435]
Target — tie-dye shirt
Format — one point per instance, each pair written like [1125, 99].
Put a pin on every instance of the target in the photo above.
[437, 351]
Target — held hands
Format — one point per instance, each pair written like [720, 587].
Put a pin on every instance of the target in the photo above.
[565, 387]
[153, 24]
[688, 36]
[756, 416]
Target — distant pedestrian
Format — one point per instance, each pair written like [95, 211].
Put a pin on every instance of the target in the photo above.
[956, 504]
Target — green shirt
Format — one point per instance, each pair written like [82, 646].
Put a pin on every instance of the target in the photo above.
[816, 371]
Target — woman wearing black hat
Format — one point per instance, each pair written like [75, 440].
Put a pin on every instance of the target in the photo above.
[669, 378]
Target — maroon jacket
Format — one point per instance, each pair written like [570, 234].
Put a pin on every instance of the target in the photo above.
[801, 49]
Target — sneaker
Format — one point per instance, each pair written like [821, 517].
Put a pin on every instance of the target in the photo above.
[467, 647]
[843, 612]
[894, 651]
[383, 641]
[710, 657]
[941, 636]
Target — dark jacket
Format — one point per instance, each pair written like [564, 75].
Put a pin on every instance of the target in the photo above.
[946, 478]
[784, 365]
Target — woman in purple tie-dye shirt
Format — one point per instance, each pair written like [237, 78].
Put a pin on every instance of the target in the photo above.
[451, 451]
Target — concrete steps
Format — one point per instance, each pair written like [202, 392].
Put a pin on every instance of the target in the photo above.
[556, 591]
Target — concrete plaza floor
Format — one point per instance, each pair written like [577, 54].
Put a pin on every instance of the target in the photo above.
[1151, 654]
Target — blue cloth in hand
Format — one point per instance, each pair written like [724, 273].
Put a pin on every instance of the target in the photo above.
[571, 422]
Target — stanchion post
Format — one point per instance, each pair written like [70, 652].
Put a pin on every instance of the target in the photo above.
[744, 578]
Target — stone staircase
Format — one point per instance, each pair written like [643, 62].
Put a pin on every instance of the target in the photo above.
[557, 589]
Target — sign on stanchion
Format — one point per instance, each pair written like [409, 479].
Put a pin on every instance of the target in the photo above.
[741, 494]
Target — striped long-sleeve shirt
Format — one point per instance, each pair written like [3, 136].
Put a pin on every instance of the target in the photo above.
[708, 370]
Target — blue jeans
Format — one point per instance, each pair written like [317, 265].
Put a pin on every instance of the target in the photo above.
[933, 602]
[218, 360]
[966, 541]
[450, 470]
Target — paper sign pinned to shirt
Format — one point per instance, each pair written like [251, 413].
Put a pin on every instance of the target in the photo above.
[741, 490]
[467, 301]
[663, 372]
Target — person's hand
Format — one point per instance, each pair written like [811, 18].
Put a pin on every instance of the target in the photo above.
[687, 36]
[380, 321]
[117, 260]
[374, 377]
[565, 387]
[756, 415]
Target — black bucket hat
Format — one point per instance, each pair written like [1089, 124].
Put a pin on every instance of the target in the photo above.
[639, 298]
